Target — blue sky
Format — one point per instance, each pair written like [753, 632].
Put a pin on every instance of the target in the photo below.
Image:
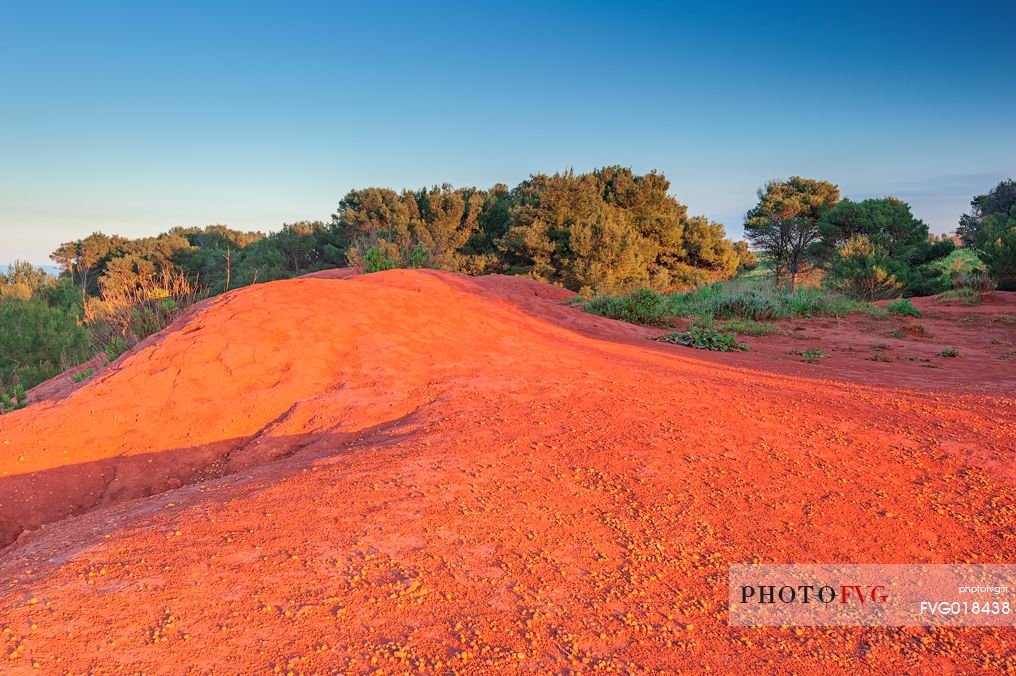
[133, 118]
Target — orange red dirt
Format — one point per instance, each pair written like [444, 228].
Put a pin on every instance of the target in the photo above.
[421, 471]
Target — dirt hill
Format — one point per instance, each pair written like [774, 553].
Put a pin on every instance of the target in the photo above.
[416, 470]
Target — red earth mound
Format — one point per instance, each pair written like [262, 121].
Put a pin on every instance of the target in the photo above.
[416, 470]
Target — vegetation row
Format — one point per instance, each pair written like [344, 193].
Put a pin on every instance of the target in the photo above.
[617, 238]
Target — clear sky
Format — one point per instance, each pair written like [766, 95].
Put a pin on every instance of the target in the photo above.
[132, 118]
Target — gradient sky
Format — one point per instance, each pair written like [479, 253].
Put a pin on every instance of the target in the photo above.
[132, 118]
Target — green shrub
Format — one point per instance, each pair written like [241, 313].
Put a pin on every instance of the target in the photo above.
[811, 356]
[903, 307]
[959, 260]
[996, 245]
[377, 260]
[949, 352]
[964, 294]
[644, 306]
[419, 257]
[861, 269]
[78, 377]
[974, 279]
[116, 347]
[377, 252]
[13, 398]
[704, 335]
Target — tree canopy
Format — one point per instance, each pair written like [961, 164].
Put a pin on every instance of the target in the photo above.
[876, 248]
[999, 200]
[603, 231]
[990, 228]
[785, 221]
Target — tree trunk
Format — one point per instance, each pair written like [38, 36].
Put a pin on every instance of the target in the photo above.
[228, 268]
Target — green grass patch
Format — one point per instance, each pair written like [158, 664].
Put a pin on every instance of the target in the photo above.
[751, 327]
[904, 308]
[949, 352]
[761, 304]
[738, 299]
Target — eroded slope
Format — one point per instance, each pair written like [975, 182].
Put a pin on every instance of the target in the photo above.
[488, 480]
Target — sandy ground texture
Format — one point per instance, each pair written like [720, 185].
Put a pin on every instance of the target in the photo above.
[421, 471]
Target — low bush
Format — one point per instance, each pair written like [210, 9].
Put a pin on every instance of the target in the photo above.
[865, 270]
[377, 252]
[78, 377]
[126, 314]
[974, 279]
[964, 294]
[13, 398]
[376, 259]
[704, 335]
[904, 308]
[811, 356]
[949, 352]
[116, 346]
[644, 306]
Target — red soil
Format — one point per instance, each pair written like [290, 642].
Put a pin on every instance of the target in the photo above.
[416, 470]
